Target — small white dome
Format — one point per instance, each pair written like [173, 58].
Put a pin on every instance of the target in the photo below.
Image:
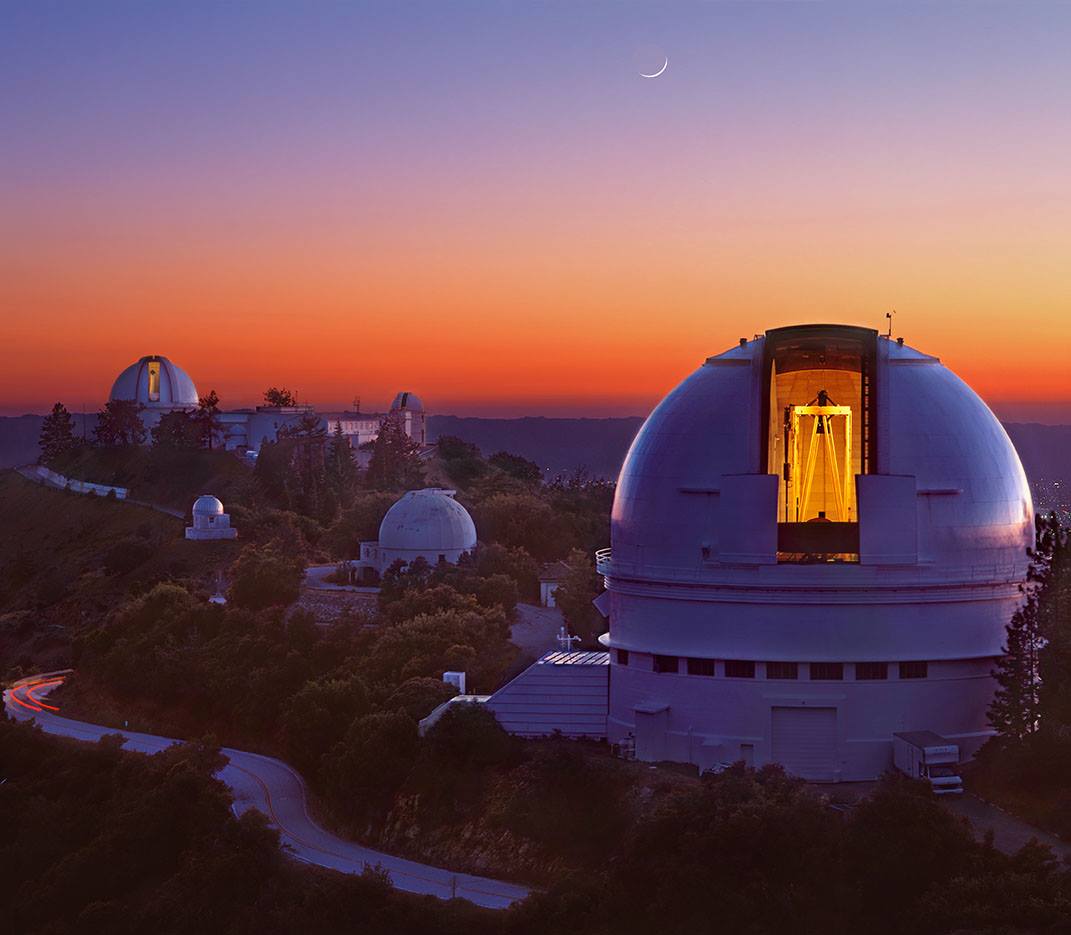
[207, 505]
[156, 383]
[407, 401]
[429, 520]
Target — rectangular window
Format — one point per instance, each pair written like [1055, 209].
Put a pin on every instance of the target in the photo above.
[700, 666]
[913, 670]
[782, 670]
[622, 657]
[827, 671]
[739, 669]
[665, 663]
[871, 671]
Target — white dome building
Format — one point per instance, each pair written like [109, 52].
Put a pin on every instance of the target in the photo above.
[407, 402]
[428, 524]
[408, 409]
[817, 541]
[209, 520]
[157, 384]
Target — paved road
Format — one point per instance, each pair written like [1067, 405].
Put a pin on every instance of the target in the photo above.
[29, 472]
[1009, 833]
[277, 790]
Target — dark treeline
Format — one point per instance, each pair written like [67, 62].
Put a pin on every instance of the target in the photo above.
[1027, 765]
[97, 840]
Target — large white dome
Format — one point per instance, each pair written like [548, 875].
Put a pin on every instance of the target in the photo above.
[428, 521]
[817, 541]
[971, 497]
[156, 383]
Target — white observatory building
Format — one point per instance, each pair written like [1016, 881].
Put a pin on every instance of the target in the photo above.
[157, 384]
[817, 541]
[209, 520]
[409, 410]
[428, 524]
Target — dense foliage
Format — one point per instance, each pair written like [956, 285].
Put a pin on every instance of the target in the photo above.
[1028, 764]
[98, 840]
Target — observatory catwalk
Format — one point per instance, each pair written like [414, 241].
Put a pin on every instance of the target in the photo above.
[817, 541]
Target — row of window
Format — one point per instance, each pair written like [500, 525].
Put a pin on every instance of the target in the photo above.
[817, 671]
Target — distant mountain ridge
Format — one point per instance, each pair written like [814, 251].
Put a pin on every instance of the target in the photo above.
[564, 445]
[556, 445]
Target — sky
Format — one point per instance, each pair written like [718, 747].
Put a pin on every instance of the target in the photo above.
[485, 203]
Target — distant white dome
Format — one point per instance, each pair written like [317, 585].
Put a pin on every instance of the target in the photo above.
[408, 401]
[429, 522]
[156, 383]
[207, 505]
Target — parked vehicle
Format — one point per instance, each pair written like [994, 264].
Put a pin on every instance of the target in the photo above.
[922, 754]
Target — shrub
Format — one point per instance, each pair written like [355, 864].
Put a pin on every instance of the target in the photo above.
[127, 554]
[265, 577]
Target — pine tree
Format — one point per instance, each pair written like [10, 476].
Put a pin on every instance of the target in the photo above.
[1018, 706]
[1014, 711]
[341, 469]
[395, 463]
[1054, 606]
[207, 419]
[57, 434]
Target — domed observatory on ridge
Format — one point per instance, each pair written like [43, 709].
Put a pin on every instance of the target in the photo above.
[157, 385]
[817, 541]
[428, 524]
[209, 520]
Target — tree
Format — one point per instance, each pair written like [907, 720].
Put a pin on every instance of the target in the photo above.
[57, 434]
[207, 419]
[366, 768]
[119, 424]
[1014, 711]
[1033, 637]
[264, 577]
[516, 466]
[580, 586]
[1054, 623]
[395, 463]
[341, 469]
[495, 559]
[175, 431]
[305, 441]
[315, 718]
[461, 459]
[280, 398]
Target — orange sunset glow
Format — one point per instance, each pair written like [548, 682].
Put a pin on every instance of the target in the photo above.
[320, 227]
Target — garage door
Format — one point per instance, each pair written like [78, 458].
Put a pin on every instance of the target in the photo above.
[804, 741]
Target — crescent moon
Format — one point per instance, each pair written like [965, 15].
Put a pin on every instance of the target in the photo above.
[660, 70]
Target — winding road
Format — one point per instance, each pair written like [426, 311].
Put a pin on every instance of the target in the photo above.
[276, 789]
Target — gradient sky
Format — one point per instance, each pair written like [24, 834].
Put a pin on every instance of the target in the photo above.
[486, 204]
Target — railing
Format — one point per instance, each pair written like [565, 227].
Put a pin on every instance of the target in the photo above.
[602, 561]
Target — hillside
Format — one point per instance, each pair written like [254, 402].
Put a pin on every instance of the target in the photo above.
[66, 559]
[176, 483]
[556, 445]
